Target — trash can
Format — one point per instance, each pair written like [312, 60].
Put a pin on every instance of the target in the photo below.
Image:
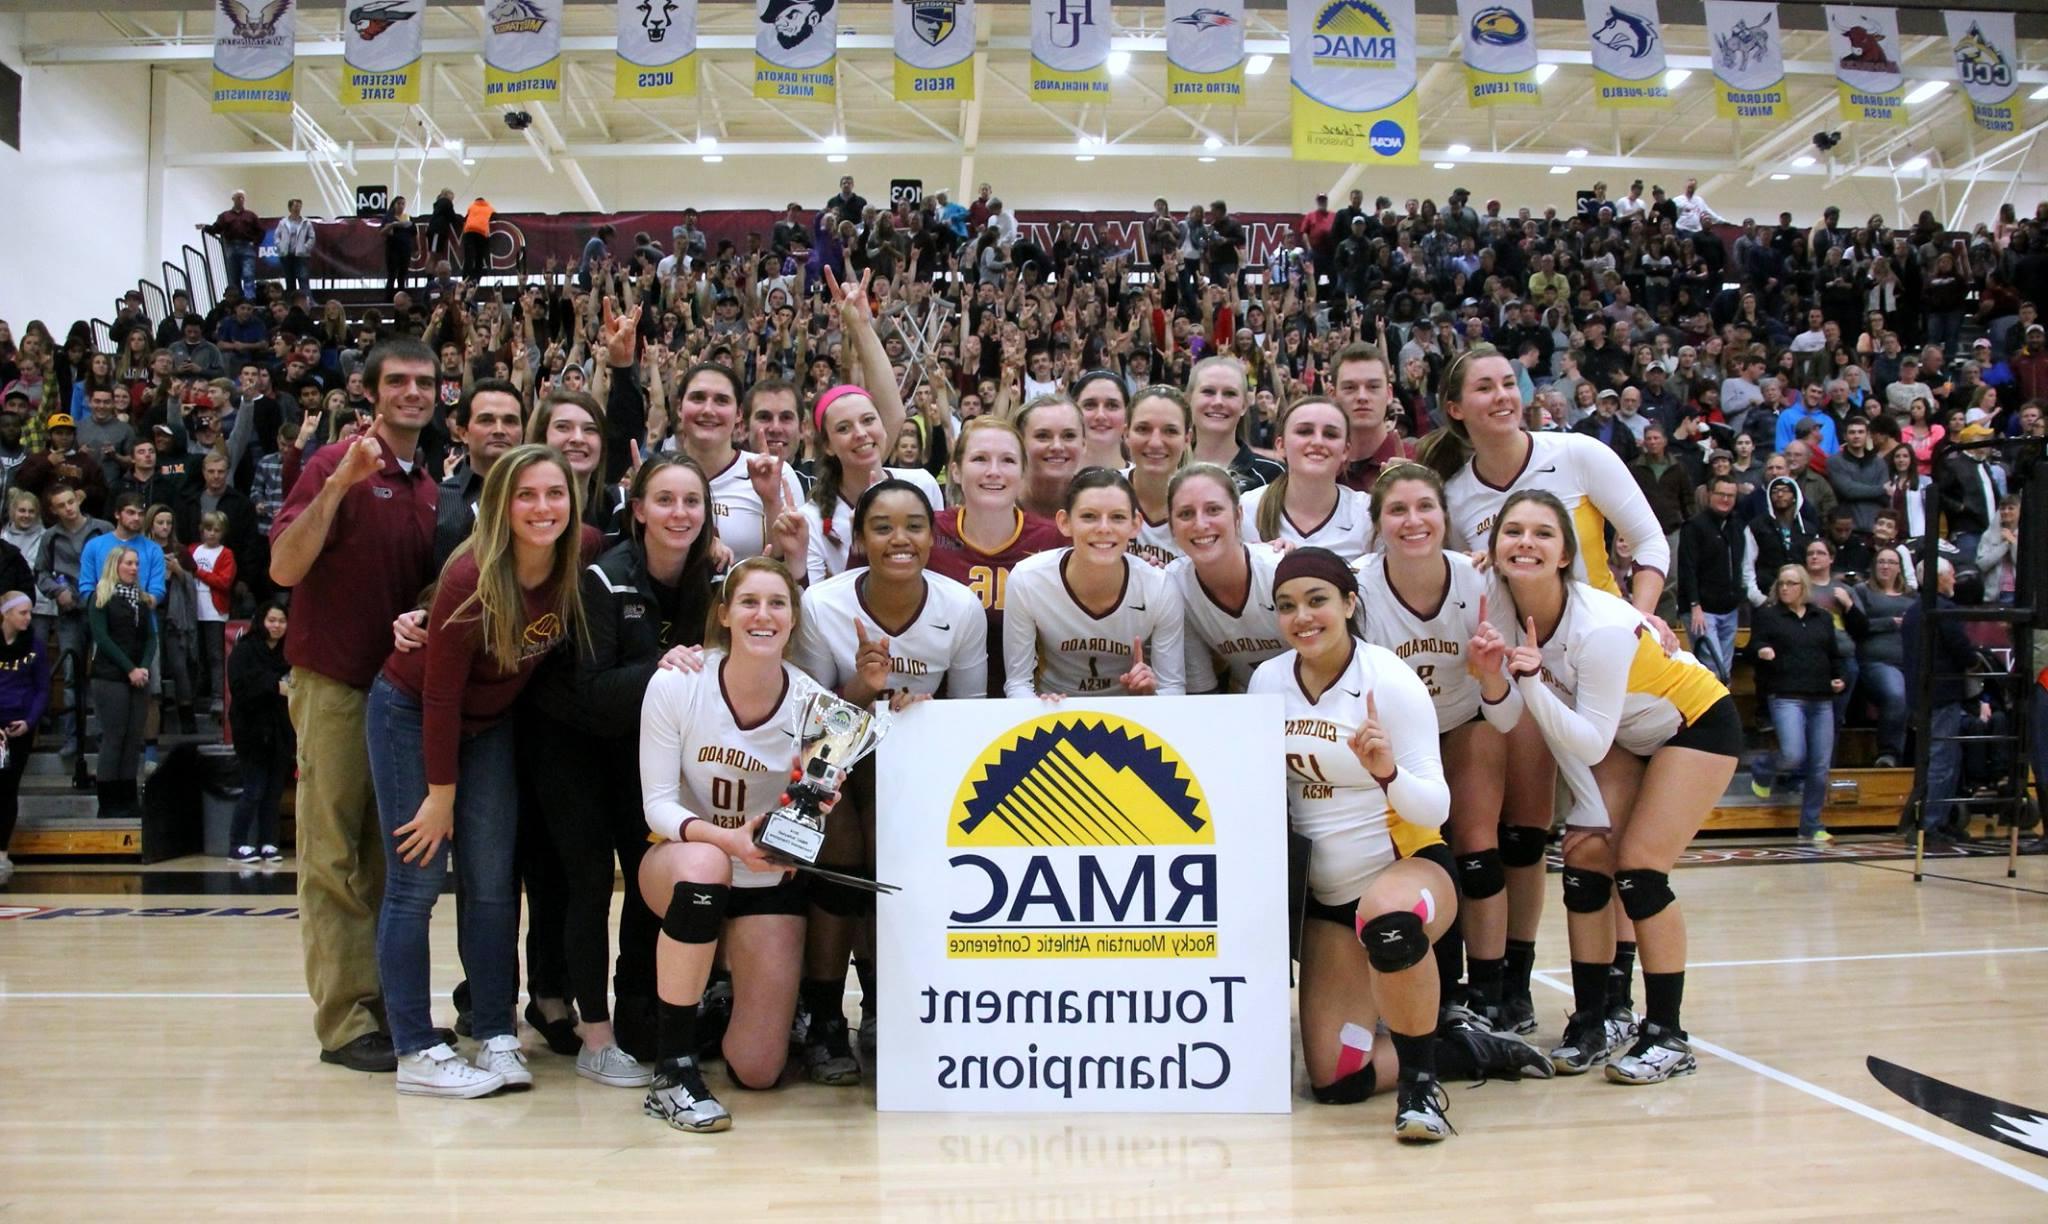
[220, 788]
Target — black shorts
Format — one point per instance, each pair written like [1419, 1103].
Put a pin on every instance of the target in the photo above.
[787, 898]
[1718, 731]
[1346, 915]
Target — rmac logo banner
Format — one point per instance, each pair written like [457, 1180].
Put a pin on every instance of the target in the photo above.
[796, 49]
[381, 51]
[657, 54]
[254, 44]
[934, 49]
[1069, 50]
[1351, 66]
[1864, 43]
[1094, 907]
[1499, 51]
[1748, 50]
[1205, 52]
[1987, 59]
[522, 50]
[1628, 53]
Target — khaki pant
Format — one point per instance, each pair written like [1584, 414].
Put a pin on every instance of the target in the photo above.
[341, 859]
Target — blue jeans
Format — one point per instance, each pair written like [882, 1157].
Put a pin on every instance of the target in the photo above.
[487, 920]
[241, 269]
[1806, 747]
[1851, 669]
[1885, 687]
[1716, 647]
[1944, 765]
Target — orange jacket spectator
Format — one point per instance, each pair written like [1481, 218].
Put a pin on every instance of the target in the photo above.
[478, 219]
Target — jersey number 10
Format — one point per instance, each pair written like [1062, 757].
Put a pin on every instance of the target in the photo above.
[729, 795]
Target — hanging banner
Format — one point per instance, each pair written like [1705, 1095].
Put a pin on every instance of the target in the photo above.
[254, 43]
[934, 49]
[1628, 53]
[657, 54]
[1351, 66]
[381, 52]
[1205, 52]
[522, 50]
[1749, 60]
[1499, 51]
[1986, 55]
[1864, 43]
[796, 45]
[1069, 50]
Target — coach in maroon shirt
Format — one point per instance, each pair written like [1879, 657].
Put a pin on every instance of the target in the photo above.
[355, 540]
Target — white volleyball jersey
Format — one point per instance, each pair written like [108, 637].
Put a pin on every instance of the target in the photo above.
[1430, 640]
[828, 552]
[1357, 827]
[1235, 639]
[737, 511]
[1595, 487]
[1347, 532]
[946, 641]
[1051, 644]
[697, 760]
[1155, 544]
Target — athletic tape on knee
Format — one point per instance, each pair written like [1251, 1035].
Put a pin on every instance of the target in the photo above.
[841, 900]
[1482, 875]
[1346, 1090]
[1644, 893]
[1587, 892]
[696, 913]
[1522, 846]
[1394, 942]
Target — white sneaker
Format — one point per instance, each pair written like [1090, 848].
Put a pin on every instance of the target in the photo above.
[504, 1056]
[438, 1071]
[271, 854]
[613, 1067]
[6, 867]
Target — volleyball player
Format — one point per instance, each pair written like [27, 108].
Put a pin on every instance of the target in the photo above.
[1092, 619]
[1051, 428]
[1105, 417]
[1160, 424]
[747, 489]
[1484, 454]
[1361, 747]
[1226, 585]
[714, 759]
[1304, 504]
[1221, 400]
[978, 542]
[1661, 736]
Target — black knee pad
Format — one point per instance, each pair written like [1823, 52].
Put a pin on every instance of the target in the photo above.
[1394, 942]
[696, 913]
[1521, 845]
[1644, 893]
[841, 900]
[1587, 892]
[1349, 1090]
[1481, 875]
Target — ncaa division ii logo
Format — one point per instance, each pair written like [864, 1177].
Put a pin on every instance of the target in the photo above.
[1081, 834]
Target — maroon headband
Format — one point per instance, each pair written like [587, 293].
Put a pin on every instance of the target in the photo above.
[1315, 563]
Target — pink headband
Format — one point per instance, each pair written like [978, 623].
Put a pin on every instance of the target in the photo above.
[831, 397]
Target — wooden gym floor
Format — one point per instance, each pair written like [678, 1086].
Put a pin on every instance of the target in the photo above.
[162, 1067]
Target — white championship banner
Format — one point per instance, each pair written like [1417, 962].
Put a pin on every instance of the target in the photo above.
[1499, 50]
[1987, 56]
[796, 50]
[1863, 40]
[1205, 52]
[381, 52]
[522, 50]
[1069, 50]
[1749, 60]
[1094, 907]
[656, 56]
[934, 49]
[1628, 53]
[255, 43]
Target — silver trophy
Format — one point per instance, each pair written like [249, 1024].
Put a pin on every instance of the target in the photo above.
[831, 737]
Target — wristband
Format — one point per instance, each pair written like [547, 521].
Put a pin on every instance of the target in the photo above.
[1389, 779]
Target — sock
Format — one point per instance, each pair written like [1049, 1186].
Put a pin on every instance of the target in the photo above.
[1485, 976]
[1589, 987]
[824, 999]
[1621, 975]
[1520, 962]
[864, 969]
[1417, 1054]
[677, 1032]
[1664, 992]
[1450, 962]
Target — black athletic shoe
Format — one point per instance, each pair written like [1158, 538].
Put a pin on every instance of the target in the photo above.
[461, 997]
[1420, 1111]
[559, 1035]
[1494, 1055]
[1516, 1013]
[369, 1052]
[1588, 1041]
[680, 1098]
[828, 1053]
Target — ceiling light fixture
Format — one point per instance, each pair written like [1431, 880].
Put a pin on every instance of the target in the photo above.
[1544, 72]
[1924, 91]
[1803, 160]
[1119, 62]
[1257, 65]
[1675, 77]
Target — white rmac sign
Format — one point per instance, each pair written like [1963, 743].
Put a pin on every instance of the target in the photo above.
[1094, 907]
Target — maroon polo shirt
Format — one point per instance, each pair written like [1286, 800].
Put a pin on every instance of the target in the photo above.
[1361, 473]
[378, 557]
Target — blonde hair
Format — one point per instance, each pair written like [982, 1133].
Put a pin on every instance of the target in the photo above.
[1273, 501]
[1244, 385]
[498, 603]
[716, 635]
[1805, 582]
[110, 575]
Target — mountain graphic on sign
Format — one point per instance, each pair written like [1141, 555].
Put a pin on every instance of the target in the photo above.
[1080, 779]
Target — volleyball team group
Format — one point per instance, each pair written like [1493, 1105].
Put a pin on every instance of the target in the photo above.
[606, 673]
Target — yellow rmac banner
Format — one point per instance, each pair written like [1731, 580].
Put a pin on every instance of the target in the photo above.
[1205, 52]
[254, 42]
[1069, 50]
[1499, 51]
[1351, 68]
[1986, 54]
[1863, 40]
[522, 50]
[657, 53]
[1628, 53]
[796, 50]
[934, 49]
[381, 52]
[1743, 38]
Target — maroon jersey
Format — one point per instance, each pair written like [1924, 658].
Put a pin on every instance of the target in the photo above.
[987, 574]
